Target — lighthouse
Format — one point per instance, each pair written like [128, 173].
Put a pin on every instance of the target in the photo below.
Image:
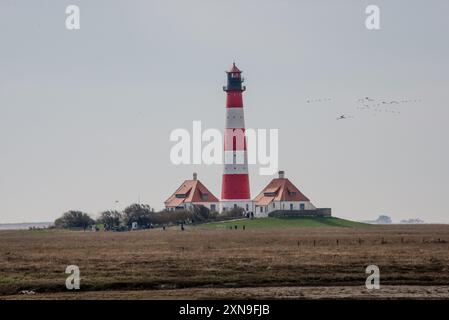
[235, 190]
[280, 198]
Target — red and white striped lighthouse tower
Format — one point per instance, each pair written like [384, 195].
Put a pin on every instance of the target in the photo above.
[235, 184]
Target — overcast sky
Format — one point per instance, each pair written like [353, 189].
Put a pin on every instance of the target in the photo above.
[85, 116]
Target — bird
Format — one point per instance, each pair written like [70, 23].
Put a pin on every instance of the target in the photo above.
[343, 116]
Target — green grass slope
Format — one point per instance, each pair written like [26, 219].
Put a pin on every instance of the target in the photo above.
[293, 222]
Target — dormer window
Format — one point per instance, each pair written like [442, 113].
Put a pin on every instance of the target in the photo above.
[291, 192]
[180, 195]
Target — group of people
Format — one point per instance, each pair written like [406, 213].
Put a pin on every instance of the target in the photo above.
[249, 214]
[236, 227]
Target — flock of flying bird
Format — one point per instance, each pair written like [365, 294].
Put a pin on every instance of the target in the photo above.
[371, 105]
[318, 100]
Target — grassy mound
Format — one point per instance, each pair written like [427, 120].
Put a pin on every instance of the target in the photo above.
[293, 222]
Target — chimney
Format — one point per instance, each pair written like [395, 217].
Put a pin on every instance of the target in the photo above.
[195, 175]
[281, 174]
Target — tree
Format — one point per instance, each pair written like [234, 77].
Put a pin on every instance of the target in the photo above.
[201, 213]
[74, 219]
[140, 213]
[383, 219]
[110, 219]
[236, 212]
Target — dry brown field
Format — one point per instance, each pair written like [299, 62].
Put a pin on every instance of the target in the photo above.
[221, 263]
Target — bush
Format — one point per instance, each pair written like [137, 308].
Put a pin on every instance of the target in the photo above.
[74, 219]
[233, 213]
[172, 217]
[201, 213]
[110, 219]
[198, 214]
[140, 213]
[145, 217]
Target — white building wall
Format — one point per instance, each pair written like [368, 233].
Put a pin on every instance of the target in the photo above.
[226, 205]
[209, 205]
[229, 205]
[285, 205]
[281, 205]
[189, 205]
[175, 208]
[260, 211]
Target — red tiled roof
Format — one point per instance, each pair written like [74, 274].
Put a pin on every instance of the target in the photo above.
[280, 189]
[174, 202]
[265, 201]
[190, 191]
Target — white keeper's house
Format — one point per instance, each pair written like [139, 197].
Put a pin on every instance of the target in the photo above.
[191, 193]
[280, 194]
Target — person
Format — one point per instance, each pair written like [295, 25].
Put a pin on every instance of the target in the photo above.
[243, 227]
[163, 228]
[182, 226]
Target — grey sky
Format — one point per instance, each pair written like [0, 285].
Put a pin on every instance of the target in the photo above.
[85, 116]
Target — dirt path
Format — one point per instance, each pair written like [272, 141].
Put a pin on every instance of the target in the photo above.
[345, 292]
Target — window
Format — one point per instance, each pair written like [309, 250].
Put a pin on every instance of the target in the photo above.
[274, 205]
[302, 206]
[261, 209]
[235, 206]
[247, 207]
[212, 207]
[291, 206]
